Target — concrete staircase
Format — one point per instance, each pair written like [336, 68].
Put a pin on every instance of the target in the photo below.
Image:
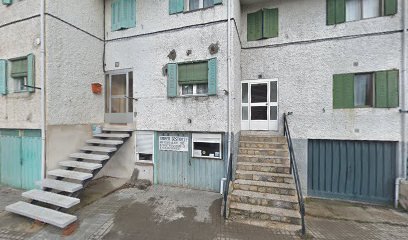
[263, 192]
[61, 188]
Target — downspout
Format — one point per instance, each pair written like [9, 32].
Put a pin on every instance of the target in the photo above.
[229, 42]
[42, 76]
[403, 152]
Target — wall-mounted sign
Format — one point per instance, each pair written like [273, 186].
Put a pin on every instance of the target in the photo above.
[173, 143]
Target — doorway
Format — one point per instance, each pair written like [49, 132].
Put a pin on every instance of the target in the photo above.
[259, 110]
[119, 97]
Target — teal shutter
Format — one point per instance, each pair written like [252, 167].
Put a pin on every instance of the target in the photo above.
[212, 76]
[254, 25]
[392, 88]
[30, 73]
[390, 7]
[381, 89]
[7, 2]
[130, 16]
[330, 12]
[176, 6]
[270, 23]
[172, 80]
[115, 12]
[343, 91]
[3, 76]
[217, 2]
[340, 11]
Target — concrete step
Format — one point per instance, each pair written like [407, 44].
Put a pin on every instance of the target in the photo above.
[264, 176]
[260, 138]
[269, 224]
[99, 149]
[117, 129]
[263, 159]
[264, 199]
[41, 214]
[264, 152]
[104, 142]
[271, 145]
[265, 187]
[81, 165]
[111, 135]
[59, 185]
[88, 156]
[264, 167]
[70, 174]
[245, 211]
[51, 198]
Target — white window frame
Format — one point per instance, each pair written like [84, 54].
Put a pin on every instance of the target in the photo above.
[137, 151]
[381, 11]
[209, 138]
[194, 91]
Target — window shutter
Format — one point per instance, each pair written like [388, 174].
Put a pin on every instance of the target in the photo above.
[30, 72]
[254, 26]
[130, 16]
[193, 73]
[330, 12]
[340, 11]
[271, 23]
[7, 2]
[392, 88]
[212, 76]
[115, 15]
[343, 91]
[217, 2]
[381, 89]
[176, 6]
[172, 80]
[3, 76]
[390, 7]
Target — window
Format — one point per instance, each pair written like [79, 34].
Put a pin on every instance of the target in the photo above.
[123, 14]
[178, 6]
[339, 11]
[7, 2]
[376, 89]
[207, 145]
[21, 74]
[191, 79]
[144, 146]
[263, 24]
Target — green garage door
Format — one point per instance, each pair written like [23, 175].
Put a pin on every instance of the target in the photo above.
[20, 158]
[352, 170]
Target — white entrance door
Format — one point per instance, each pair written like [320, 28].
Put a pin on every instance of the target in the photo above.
[260, 105]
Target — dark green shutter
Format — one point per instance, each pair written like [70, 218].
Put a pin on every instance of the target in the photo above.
[30, 72]
[270, 23]
[381, 89]
[7, 2]
[340, 11]
[3, 76]
[193, 73]
[331, 12]
[390, 7]
[172, 80]
[212, 76]
[19, 68]
[343, 91]
[217, 2]
[176, 6]
[392, 88]
[254, 26]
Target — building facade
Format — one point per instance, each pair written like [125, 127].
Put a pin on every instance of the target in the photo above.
[190, 76]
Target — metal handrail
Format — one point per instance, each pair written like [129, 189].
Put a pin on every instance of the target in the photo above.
[294, 170]
[226, 187]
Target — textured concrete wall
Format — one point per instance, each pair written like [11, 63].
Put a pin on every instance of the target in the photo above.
[18, 38]
[403, 197]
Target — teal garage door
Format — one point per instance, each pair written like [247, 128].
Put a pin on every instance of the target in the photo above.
[20, 158]
[179, 168]
[352, 170]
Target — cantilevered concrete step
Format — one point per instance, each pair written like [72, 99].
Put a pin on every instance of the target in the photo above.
[251, 144]
[114, 129]
[70, 174]
[59, 185]
[112, 135]
[264, 152]
[260, 138]
[99, 149]
[51, 198]
[264, 167]
[104, 142]
[264, 176]
[81, 165]
[42, 214]
[264, 199]
[265, 187]
[242, 210]
[263, 159]
[88, 156]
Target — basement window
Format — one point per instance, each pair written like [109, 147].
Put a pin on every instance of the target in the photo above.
[206, 145]
[144, 146]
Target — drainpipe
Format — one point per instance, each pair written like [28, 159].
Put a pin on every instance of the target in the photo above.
[229, 42]
[403, 150]
[42, 76]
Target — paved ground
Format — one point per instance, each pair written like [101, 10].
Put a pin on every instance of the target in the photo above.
[175, 213]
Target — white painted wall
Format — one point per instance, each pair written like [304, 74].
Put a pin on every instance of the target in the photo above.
[20, 110]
